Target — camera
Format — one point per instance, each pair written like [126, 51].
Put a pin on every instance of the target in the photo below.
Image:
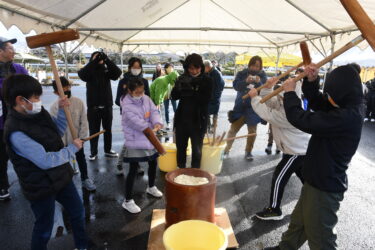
[253, 77]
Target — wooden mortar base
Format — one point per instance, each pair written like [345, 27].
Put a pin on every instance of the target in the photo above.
[155, 239]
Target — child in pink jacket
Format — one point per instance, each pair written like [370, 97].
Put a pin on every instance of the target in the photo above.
[139, 113]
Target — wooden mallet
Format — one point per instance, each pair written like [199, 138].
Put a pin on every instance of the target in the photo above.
[364, 24]
[306, 60]
[46, 40]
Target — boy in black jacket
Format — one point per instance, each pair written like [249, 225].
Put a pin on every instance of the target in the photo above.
[34, 145]
[335, 125]
[194, 90]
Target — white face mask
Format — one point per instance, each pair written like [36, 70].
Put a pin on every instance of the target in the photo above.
[135, 72]
[137, 97]
[196, 74]
[37, 107]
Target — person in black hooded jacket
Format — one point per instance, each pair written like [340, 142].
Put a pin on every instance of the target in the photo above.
[194, 89]
[98, 74]
[335, 124]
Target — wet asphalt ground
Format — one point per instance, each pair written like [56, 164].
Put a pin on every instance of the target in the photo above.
[243, 189]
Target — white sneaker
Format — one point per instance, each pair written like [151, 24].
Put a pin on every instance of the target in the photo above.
[88, 185]
[93, 157]
[372, 120]
[154, 191]
[131, 207]
[365, 120]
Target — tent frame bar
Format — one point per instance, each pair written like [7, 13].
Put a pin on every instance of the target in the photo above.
[201, 44]
[84, 13]
[200, 29]
[244, 23]
[166, 14]
[308, 15]
[39, 20]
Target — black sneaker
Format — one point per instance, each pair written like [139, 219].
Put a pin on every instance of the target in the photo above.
[270, 213]
[111, 154]
[249, 156]
[140, 170]
[268, 149]
[4, 195]
[272, 248]
[278, 151]
[119, 170]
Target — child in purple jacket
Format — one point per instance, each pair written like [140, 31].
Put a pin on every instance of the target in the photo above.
[139, 113]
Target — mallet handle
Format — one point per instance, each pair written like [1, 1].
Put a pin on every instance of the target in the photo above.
[335, 54]
[61, 92]
[286, 73]
[361, 19]
[93, 136]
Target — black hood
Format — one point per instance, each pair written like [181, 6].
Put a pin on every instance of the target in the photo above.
[344, 86]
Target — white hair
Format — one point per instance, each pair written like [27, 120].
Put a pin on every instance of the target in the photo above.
[207, 63]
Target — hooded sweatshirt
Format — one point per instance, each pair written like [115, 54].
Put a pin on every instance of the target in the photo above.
[289, 139]
[336, 131]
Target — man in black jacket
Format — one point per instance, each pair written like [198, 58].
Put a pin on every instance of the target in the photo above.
[97, 75]
[335, 125]
[194, 89]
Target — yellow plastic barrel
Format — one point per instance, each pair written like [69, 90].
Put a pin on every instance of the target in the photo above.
[194, 235]
[168, 162]
[212, 158]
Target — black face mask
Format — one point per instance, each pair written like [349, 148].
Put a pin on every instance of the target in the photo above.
[68, 93]
[253, 72]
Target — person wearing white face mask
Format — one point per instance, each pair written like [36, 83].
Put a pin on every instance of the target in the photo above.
[40, 159]
[194, 90]
[98, 74]
[135, 70]
[139, 113]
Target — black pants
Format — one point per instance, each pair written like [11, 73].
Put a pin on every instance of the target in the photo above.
[82, 164]
[4, 184]
[288, 165]
[183, 133]
[97, 117]
[132, 174]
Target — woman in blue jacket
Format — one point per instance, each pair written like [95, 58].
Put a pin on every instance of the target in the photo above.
[251, 77]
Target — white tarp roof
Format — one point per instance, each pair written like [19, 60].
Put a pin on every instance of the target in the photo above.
[191, 25]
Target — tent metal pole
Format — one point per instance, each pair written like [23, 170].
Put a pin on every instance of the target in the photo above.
[121, 57]
[166, 14]
[277, 59]
[66, 62]
[234, 16]
[84, 13]
[316, 47]
[80, 43]
[203, 44]
[333, 42]
[308, 15]
[139, 29]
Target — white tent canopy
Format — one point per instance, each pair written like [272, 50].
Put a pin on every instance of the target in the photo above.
[192, 25]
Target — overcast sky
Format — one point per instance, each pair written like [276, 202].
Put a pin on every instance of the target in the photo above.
[364, 58]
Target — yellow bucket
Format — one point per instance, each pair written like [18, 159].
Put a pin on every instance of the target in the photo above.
[212, 158]
[194, 235]
[168, 162]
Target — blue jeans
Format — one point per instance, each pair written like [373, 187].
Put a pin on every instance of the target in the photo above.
[44, 214]
[166, 107]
